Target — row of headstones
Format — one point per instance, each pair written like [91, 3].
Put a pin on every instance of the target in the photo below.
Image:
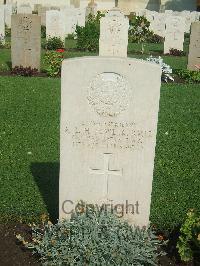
[60, 21]
[171, 26]
[158, 20]
[26, 38]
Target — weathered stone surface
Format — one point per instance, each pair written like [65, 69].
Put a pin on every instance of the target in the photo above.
[108, 133]
[24, 9]
[174, 34]
[194, 49]
[55, 24]
[8, 13]
[113, 34]
[26, 40]
[42, 13]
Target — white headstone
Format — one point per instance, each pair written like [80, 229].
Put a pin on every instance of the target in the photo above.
[113, 34]
[174, 34]
[108, 134]
[81, 12]
[55, 26]
[24, 9]
[194, 48]
[187, 16]
[70, 19]
[169, 12]
[2, 25]
[8, 13]
[158, 24]
[42, 13]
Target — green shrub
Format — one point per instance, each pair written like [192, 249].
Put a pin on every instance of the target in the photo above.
[53, 62]
[7, 31]
[94, 238]
[139, 30]
[189, 240]
[155, 38]
[88, 36]
[5, 45]
[54, 43]
[188, 75]
[43, 32]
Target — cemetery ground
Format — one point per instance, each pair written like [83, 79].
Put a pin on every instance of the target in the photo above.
[30, 115]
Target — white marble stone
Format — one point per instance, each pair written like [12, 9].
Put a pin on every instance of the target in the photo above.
[194, 48]
[108, 133]
[8, 13]
[174, 34]
[55, 24]
[24, 9]
[70, 15]
[42, 13]
[158, 24]
[2, 24]
[81, 15]
[113, 34]
[187, 16]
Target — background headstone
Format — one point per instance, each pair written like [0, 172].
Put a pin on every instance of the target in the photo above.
[174, 34]
[113, 34]
[55, 24]
[2, 25]
[158, 24]
[70, 17]
[8, 13]
[26, 40]
[24, 9]
[194, 48]
[37, 7]
[42, 13]
[108, 132]
[91, 9]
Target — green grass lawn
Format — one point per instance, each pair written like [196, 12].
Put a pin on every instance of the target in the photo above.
[29, 151]
[133, 51]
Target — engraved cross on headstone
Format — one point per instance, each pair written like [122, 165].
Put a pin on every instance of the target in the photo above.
[106, 171]
[116, 3]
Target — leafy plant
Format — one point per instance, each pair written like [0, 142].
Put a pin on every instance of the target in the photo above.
[176, 52]
[154, 38]
[189, 241]
[54, 43]
[43, 32]
[2, 40]
[139, 30]
[166, 69]
[53, 61]
[94, 238]
[5, 45]
[88, 36]
[24, 71]
[7, 31]
[188, 75]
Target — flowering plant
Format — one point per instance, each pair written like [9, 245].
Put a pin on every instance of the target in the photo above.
[53, 61]
[2, 39]
[166, 69]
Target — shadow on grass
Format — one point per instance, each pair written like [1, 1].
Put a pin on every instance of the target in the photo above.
[47, 179]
